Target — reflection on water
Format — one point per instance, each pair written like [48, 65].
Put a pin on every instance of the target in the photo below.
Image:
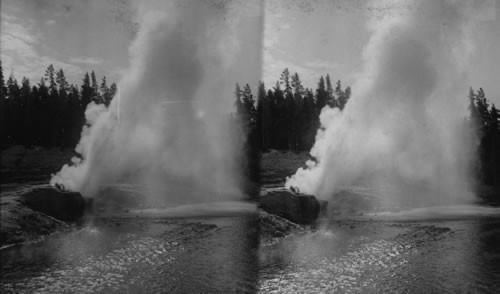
[387, 257]
[119, 255]
[222, 254]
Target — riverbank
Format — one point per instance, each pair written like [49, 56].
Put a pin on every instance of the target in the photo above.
[20, 164]
[19, 224]
[31, 209]
[31, 212]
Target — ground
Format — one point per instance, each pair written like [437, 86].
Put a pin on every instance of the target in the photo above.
[277, 165]
[23, 164]
[20, 223]
[19, 164]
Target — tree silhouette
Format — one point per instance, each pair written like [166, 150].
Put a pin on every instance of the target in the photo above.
[484, 121]
[49, 113]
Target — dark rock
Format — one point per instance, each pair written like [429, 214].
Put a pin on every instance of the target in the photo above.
[21, 224]
[273, 226]
[62, 205]
[297, 208]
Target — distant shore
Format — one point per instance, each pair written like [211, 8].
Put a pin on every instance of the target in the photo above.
[20, 164]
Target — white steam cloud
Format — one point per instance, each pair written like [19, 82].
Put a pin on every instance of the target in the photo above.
[168, 128]
[402, 132]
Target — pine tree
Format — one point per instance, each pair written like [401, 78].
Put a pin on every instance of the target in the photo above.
[3, 88]
[482, 108]
[50, 113]
[238, 105]
[105, 92]
[248, 103]
[297, 84]
[289, 120]
[13, 115]
[340, 95]
[347, 95]
[62, 84]
[28, 112]
[484, 122]
[54, 108]
[86, 91]
[76, 116]
[36, 118]
[270, 119]
[3, 108]
[309, 122]
[112, 91]
[12, 88]
[296, 120]
[285, 81]
[51, 79]
[494, 118]
[280, 134]
[13, 111]
[263, 116]
[330, 100]
[95, 89]
[294, 109]
[321, 95]
[474, 117]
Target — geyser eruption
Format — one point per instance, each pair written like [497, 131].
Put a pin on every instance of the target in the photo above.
[403, 133]
[168, 128]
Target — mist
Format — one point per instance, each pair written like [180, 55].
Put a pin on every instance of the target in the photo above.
[168, 128]
[403, 133]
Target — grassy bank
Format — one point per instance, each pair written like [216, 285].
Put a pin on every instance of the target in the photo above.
[276, 165]
[19, 164]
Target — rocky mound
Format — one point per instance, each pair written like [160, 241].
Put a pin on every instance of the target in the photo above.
[297, 208]
[273, 226]
[30, 213]
[62, 205]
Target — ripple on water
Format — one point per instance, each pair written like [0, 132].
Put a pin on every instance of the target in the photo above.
[366, 257]
[138, 255]
[100, 273]
[355, 270]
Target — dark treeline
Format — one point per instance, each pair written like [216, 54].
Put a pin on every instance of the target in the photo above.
[50, 113]
[485, 120]
[286, 117]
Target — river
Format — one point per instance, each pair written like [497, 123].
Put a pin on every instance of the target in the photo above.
[152, 253]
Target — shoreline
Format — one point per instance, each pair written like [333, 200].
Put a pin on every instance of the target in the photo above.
[31, 213]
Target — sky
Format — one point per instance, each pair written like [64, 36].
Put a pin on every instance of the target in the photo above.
[312, 38]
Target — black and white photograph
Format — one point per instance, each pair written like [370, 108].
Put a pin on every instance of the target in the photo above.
[249, 146]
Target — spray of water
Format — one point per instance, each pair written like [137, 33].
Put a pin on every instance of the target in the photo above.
[403, 132]
[168, 130]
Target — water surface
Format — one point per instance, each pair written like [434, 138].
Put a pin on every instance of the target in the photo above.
[117, 255]
[441, 255]
[448, 250]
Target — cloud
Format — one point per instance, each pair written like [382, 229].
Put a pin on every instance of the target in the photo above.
[85, 60]
[19, 51]
[13, 30]
[321, 65]
[309, 72]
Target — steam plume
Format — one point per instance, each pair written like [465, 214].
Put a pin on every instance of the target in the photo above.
[167, 129]
[403, 131]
